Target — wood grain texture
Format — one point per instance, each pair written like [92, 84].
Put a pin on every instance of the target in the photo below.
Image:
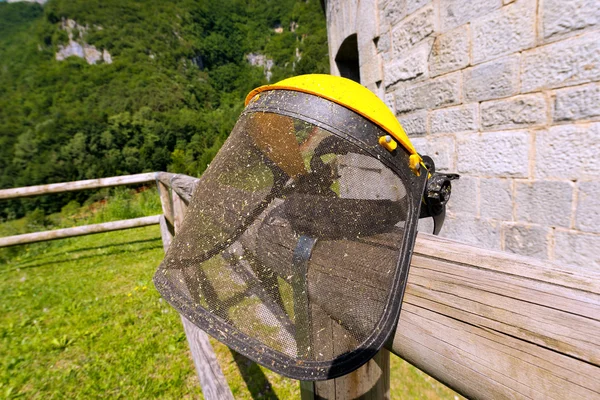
[496, 325]
[79, 231]
[183, 185]
[77, 185]
[166, 204]
[213, 382]
[369, 382]
[165, 233]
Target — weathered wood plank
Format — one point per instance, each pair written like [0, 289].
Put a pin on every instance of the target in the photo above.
[179, 210]
[369, 382]
[78, 231]
[183, 185]
[494, 325]
[77, 185]
[537, 323]
[166, 204]
[213, 382]
[586, 280]
[165, 233]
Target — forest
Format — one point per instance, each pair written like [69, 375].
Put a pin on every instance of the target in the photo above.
[165, 99]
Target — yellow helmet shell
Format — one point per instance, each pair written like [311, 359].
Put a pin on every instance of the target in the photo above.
[347, 93]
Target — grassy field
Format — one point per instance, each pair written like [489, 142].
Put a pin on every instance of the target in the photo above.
[80, 318]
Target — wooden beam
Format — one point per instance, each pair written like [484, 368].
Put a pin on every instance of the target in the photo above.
[77, 185]
[165, 233]
[496, 325]
[167, 205]
[369, 382]
[213, 382]
[183, 185]
[78, 231]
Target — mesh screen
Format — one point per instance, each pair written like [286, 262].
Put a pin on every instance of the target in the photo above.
[292, 238]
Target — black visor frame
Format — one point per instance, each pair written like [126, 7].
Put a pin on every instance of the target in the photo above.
[354, 128]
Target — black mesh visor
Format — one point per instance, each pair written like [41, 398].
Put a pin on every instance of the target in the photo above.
[290, 249]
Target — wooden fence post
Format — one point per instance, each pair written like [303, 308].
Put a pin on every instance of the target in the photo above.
[213, 382]
[369, 382]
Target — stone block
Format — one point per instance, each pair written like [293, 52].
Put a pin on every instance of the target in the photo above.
[420, 144]
[411, 66]
[560, 17]
[450, 51]
[476, 231]
[464, 197]
[579, 249]
[440, 148]
[383, 42]
[434, 93]
[371, 70]
[388, 99]
[414, 5]
[392, 13]
[494, 79]
[495, 154]
[496, 200]
[544, 202]
[414, 124]
[566, 63]
[413, 29]
[504, 31]
[386, 57]
[568, 152]
[587, 217]
[371, 73]
[527, 240]
[515, 112]
[368, 23]
[454, 119]
[581, 102]
[457, 12]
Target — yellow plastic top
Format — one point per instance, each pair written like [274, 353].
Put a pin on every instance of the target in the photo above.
[349, 94]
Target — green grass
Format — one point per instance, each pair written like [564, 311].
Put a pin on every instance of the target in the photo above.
[80, 318]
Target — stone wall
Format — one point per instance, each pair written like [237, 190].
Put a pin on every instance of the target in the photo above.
[506, 93]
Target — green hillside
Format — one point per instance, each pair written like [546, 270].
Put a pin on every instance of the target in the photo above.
[171, 93]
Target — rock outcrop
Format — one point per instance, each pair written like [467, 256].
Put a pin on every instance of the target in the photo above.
[77, 47]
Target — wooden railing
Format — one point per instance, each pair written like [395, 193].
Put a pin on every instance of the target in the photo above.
[30, 191]
[487, 324]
